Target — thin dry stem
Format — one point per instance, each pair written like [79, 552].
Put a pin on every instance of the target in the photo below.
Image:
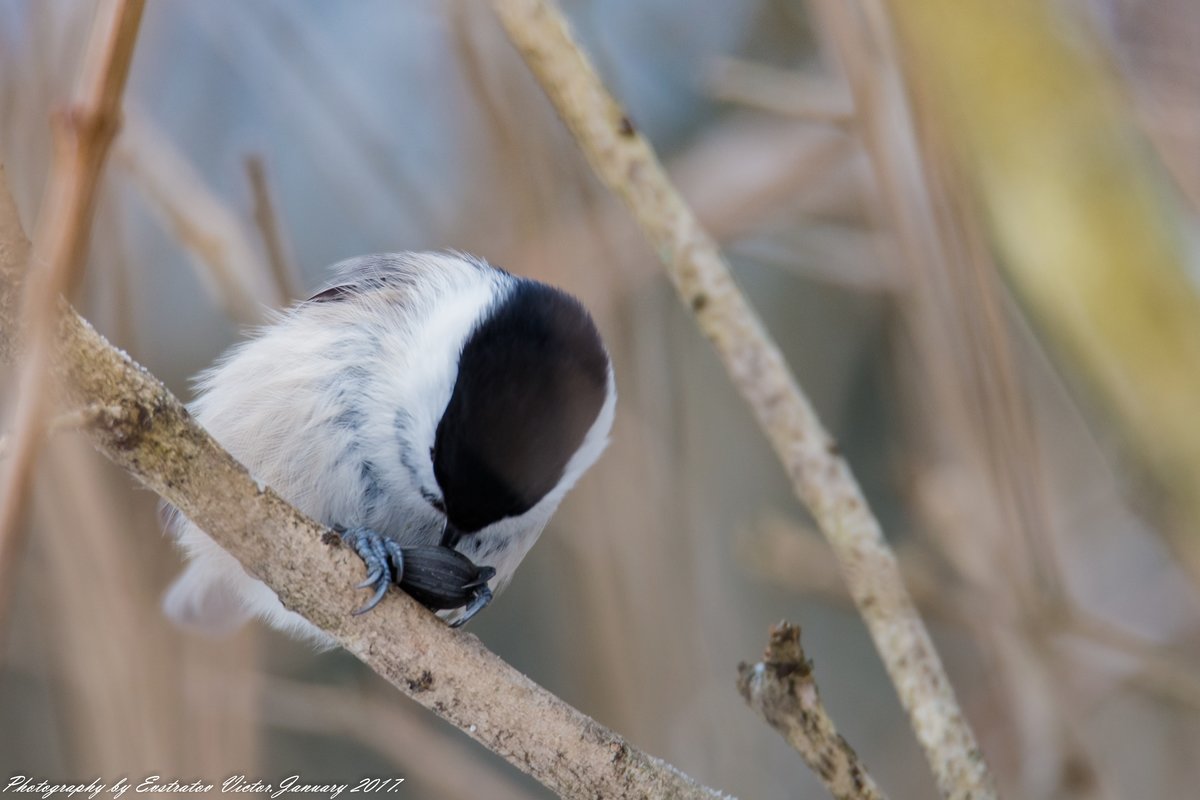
[781, 688]
[1105, 273]
[222, 252]
[953, 311]
[83, 135]
[793, 557]
[269, 227]
[780, 91]
[820, 477]
[449, 672]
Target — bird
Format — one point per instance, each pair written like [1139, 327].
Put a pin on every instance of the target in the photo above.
[430, 408]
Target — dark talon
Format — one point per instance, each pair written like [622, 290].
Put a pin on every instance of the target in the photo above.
[374, 601]
[370, 579]
[483, 596]
[378, 574]
[485, 575]
[383, 558]
[397, 556]
[377, 549]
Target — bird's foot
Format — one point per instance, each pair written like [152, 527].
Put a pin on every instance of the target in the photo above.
[438, 578]
[383, 557]
[482, 596]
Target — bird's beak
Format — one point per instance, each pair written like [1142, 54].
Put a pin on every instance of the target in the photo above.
[451, 535]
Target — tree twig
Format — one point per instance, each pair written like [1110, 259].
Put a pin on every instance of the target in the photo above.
[215, 237]
[83, 135]
[778, 91]
[266, 217]
[781, 688]
[820, 476]
[449, 672]
[70, 420]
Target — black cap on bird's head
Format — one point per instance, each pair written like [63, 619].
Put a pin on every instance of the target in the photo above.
[532, 379]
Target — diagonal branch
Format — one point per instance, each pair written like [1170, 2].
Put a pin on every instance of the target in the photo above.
[149, 433]
[820, 476]
[782, 690]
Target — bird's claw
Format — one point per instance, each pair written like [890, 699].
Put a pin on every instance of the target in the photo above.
[370, 580]
[483, 596]
[383, 557]
[439, 578]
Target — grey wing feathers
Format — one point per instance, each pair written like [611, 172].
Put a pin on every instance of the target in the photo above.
[366, 273]
[389, 270]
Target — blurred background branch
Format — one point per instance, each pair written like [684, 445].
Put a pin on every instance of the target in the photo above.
[223, 254]
[270, 228]
[82, 135]
[1092, 238]
[811, 458]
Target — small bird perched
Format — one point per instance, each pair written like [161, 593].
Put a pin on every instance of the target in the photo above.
[430, 408]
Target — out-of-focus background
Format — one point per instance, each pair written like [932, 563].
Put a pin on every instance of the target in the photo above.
[1040, 537]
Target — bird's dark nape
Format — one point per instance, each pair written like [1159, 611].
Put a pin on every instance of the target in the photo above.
[532, 379]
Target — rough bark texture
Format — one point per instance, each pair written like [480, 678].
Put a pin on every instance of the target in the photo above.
[14, 255]
[781, 688]
[821, 478]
